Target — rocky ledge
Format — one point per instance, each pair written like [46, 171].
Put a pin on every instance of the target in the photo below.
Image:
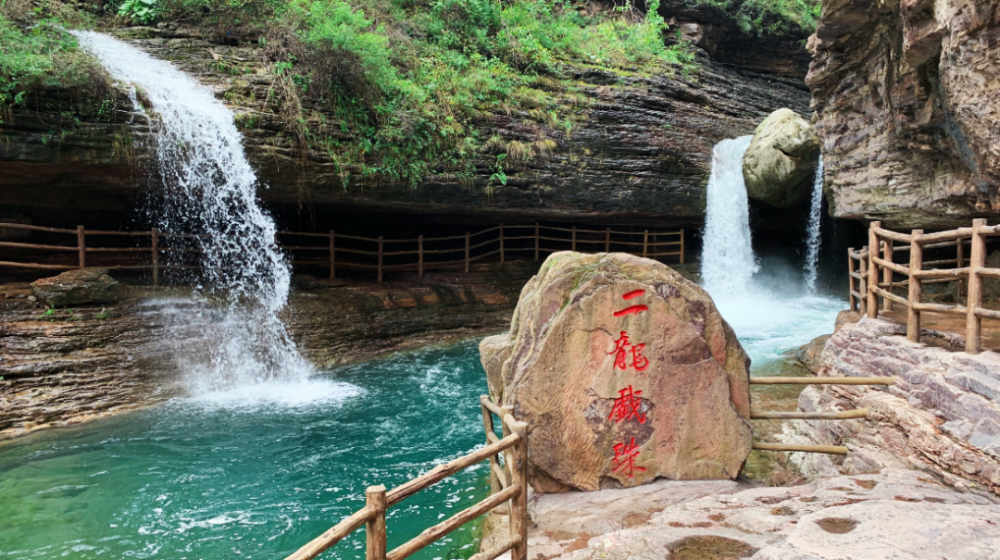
[63, 366]
[871, 516]
[942, 415]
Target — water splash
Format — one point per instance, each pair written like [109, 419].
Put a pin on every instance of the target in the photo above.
[813, 238]
[763, 303]
[727, 260]
[210, 189]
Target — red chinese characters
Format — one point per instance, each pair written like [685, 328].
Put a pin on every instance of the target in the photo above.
[624, 461]
[624, 350]
[628, 403]
[627, 406]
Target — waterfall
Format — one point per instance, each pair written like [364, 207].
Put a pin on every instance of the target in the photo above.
[813, 237]
[727, 259]
[210, 189]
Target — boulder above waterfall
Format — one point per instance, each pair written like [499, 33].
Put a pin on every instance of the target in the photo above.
[624, 372]
[780, 162]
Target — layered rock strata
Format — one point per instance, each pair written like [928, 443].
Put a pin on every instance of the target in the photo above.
[625, 371]
[905, 97]
[942, 415]
[639, 149]
[72, 365]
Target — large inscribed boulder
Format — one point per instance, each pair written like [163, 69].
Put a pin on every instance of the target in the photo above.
[624, 372]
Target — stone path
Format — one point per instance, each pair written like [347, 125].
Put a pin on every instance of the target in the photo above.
[897, 514]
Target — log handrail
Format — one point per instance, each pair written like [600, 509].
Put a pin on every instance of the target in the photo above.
[967, 269]
[473, 252]
[509, 485]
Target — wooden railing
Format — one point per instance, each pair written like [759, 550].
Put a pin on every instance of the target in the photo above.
[508, 484]
[872, 286]
[378, 253]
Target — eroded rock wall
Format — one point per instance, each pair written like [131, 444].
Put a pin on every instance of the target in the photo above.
[906, 97]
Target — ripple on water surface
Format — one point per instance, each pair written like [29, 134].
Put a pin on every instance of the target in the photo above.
[254, 472]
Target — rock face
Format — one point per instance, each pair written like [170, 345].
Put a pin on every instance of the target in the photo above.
[67, 367]
[942, 415]
[871, 516]
[780, 162]
[640, 147]
[907, 110]
[77, 287]
[624, 372]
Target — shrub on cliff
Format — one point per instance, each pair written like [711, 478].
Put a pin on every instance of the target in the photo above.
[37, 53]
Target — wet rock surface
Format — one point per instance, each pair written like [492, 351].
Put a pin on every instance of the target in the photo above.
[625, 371]
[907, 114]
[77, 287]
[884, 515]
[942, 415]
[780, 162]
[72, 365]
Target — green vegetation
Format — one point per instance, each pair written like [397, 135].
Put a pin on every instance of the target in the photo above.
[394, 89]
[406, 80]
[769, 17]
[36, 52]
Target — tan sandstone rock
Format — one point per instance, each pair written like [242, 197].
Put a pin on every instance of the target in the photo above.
[625, 372]
[780, 162]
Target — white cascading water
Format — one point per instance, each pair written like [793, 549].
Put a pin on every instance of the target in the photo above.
[763, 302]
[813, 236]
[210, 189]
[727, 260]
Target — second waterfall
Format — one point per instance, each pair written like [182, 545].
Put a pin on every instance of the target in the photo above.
[209, 189]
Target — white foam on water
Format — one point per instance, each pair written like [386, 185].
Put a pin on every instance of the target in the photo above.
[210, 189]
[276, 394]
[813, 235]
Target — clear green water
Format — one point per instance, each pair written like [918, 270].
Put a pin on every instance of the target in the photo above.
[255, 473]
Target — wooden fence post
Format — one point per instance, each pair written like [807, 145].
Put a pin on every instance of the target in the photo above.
[501, 243]
[645, 243]
[489, 428]
[466, 252]
[420, 257]
[873, 247]
[81, 244]
[536, 241]
[607, 240]
[375, 532]
[863, 283]
[974, 299]
[916, 262]
[959, 260]
[887, 273]
[380, 245]
[333, 254]
[573, 243]
[519, 476]
[508, 459]
[155, 251]
[682, 246]
[850, 279]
